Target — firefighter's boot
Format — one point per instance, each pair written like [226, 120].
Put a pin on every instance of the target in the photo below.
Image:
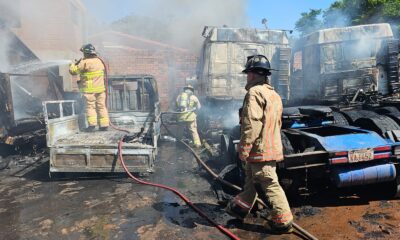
[90, 129]
[103, 129]
[235, 210]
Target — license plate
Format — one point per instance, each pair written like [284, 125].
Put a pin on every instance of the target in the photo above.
[361, 155]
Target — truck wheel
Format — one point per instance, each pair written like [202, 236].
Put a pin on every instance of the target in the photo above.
[353, 115]
[224, 148]
[339, 119]
[386, 110]
[379, 124]
[397, 187]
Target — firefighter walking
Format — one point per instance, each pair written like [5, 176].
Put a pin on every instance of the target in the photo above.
[260, 148]
[188, 104]
[92, 70]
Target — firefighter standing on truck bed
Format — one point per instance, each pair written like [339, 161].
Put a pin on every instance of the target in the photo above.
[91, 70]
[261, 147]
[188, 104]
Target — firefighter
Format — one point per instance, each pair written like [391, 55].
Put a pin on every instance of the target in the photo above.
[92, 70]
[188, 104]
[260, 148]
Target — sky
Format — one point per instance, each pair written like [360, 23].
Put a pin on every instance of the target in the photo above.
[281, 14]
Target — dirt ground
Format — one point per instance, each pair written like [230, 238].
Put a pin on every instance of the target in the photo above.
[34, 206]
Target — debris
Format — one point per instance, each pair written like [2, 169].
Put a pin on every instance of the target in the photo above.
[307, 211]
[168, 138]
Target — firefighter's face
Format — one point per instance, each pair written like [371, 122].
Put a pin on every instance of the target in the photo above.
[250, 76]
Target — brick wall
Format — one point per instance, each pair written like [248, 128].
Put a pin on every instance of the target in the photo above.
[170, 68]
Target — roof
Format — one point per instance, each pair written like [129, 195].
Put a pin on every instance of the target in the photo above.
[330, 35]
[253, 35]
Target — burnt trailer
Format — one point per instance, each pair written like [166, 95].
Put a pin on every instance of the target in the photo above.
[220, 81]
[24, 83]
[133, 105]
[21, 115]
[333, 63]
[336, 126]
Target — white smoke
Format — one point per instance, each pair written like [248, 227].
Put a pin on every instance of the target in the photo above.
[180, 22]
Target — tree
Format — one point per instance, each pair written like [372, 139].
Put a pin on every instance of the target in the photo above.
[364, 11]
[309, 22]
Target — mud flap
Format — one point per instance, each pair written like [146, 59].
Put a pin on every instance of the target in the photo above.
[393, 135]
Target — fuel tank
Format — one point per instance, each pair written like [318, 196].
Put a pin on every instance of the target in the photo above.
[348, 176]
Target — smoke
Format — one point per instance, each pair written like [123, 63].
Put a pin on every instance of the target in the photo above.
[336, 18]
[4, 48]
[178, 22]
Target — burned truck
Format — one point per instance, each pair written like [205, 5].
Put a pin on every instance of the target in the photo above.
[220, 81]
[336, 128]
[331, 64]
[133, 105]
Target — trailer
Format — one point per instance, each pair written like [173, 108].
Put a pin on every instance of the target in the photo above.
[220, 81]
[341, 124]
[133, 105]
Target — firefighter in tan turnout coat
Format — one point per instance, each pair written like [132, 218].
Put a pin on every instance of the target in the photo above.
[91, 70]
[260, 148]
[188, 104]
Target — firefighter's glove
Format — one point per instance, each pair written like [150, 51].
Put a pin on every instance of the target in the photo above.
[73, 69]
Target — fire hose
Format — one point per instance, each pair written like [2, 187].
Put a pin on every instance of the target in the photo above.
[226, 183]
[183, 197]
[198, 159]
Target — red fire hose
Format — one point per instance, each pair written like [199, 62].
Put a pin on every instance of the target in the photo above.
[183, 197]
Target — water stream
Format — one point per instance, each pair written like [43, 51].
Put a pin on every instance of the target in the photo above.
[33, 66]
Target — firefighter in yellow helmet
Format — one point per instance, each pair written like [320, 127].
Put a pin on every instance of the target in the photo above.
[188, 104]
[260, 148]
[91, 70]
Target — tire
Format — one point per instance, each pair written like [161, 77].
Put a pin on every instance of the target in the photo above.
[397, 188]
[394, 116]
[354, 115]
[379, 124]
[224, 148]
[387, 110]
[339, 119]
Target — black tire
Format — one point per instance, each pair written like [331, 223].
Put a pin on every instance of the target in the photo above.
[224, 148]
[396, 187]
[379, 124]
[387, 110]
[339, 119]
[394, 116]
[353, 115]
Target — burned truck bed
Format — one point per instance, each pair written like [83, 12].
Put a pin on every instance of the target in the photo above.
[133, 106]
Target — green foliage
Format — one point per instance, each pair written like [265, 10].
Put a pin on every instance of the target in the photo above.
[351, 12]
[309, 22]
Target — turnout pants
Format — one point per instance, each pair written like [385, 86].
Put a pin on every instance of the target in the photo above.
[96, 109]
[262, 181]
[191, 127]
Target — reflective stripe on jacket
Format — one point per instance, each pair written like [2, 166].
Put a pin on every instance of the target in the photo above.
[260, 138]
[91, 71]
[186, 102]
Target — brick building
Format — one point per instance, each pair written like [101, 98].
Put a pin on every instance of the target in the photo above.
[126, 54]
